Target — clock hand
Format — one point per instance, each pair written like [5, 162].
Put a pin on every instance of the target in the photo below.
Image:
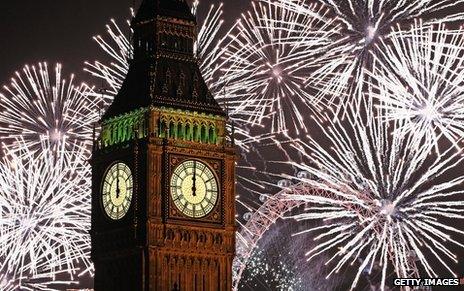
[117, 182]
[194, 179]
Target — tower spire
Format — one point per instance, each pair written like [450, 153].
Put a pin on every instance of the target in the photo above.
[163, 129]
[150, 9]
[164, 71]
[154, 32]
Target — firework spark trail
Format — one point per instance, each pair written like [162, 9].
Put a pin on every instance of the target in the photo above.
[343, 68]
[37, 107]
[250, 186]
[120, 50]
[390, 197]
[421, 82]
[266, 60]
[6, 283]
[207, 46]
[45, 214]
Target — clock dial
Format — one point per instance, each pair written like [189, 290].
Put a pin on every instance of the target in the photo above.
[194, 189]
[117, 191]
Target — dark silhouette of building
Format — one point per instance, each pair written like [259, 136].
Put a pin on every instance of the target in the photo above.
[163, 195]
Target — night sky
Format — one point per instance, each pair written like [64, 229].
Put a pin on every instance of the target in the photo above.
[61, 31]
[33, 31]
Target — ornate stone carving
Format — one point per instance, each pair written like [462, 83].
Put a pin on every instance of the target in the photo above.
[195, 85]
[181, 86]
[167, 83]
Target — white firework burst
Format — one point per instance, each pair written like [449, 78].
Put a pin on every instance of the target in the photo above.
[39, 107]
[207, 46]
[363, 23]
[44, 215]
[266, 61]
[421, 81]
[388, 199]
[120, 50]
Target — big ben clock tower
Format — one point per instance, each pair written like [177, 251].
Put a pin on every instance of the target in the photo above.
[163, 201]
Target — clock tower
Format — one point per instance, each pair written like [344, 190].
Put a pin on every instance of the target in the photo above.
[163, 186]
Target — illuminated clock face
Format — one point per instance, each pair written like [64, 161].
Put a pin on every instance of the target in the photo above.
[117, 191]
[194, 189]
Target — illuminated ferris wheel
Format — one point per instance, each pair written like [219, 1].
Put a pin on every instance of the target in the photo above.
[259, 222]
[273, 208]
